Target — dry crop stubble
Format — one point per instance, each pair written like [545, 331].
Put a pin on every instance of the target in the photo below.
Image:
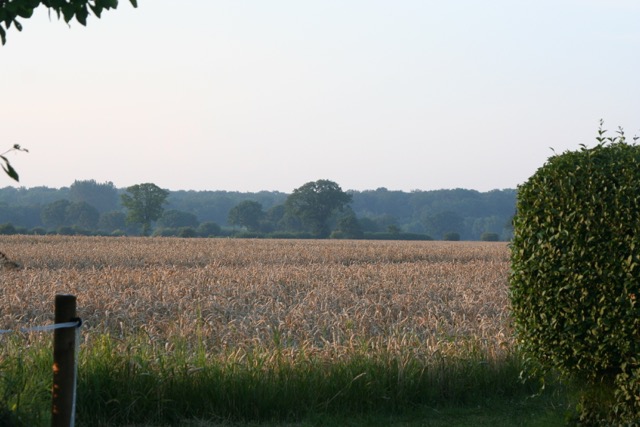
[322, 298]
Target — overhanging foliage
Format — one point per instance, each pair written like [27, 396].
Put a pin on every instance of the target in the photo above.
[11, 10]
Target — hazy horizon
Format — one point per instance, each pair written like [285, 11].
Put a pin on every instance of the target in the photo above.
[266, 96]
[257, 191]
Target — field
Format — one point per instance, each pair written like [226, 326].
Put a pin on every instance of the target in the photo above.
[233, 330]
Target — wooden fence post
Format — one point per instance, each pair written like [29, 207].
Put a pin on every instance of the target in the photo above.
[64, 363]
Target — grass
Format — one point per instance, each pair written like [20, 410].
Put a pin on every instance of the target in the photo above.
[146, 386]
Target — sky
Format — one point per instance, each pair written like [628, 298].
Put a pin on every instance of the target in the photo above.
[252, 95]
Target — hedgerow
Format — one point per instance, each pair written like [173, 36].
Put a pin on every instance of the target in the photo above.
[575, 281]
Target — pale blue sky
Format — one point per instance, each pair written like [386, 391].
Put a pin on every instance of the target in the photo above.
[268, 95]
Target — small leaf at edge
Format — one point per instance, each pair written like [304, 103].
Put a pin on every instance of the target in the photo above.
[9, 169]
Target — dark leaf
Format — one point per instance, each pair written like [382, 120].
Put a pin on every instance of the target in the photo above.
[68, 11]
[97, 9]
[9, 169]
[56, 4]
[3, 35]
[81, 15]
[25, 12]
[134, 3]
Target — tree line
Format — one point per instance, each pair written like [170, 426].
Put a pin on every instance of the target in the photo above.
[318, 209]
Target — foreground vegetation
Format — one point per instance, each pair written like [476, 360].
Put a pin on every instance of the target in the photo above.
[221, 331]
[576, 279]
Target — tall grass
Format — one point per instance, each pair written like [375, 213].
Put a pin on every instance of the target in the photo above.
[25, 382]
[259, 330]
[149, 386]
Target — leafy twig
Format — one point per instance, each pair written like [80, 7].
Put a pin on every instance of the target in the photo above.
[9, 170]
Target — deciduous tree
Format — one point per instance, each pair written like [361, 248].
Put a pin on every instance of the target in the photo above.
[315, 202]
[209, 229]
[443, 223]
[175, 219]
[144, 203]
[103, 197]
[82, 214]
[112, 221]
[348, 227]
[247, 214]
[54, 214]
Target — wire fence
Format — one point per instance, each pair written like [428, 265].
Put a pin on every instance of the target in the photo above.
[66, 339]
[45, 328]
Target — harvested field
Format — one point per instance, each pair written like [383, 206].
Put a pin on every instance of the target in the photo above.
[327, 298]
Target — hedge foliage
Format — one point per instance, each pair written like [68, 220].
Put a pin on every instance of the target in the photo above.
[575, 283]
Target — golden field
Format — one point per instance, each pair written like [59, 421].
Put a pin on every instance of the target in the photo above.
[321, 297]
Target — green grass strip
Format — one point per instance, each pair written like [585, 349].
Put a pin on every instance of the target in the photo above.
[133, 383]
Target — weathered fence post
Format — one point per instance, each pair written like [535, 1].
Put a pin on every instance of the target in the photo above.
[64, 363]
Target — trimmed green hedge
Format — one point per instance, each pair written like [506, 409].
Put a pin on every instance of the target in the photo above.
[575, 280]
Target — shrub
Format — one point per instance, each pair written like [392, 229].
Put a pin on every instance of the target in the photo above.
[38, 231]
[348, 227]
[187, 232]
[7, 229]
[290, 235]
[248, 235]
[209, 229]
[21, 229]
[337, 234]
[165, 232]
[396, 236]
[177, 219]
[393, 229]
[490, 237]
[65, 230]
[576, 275]
[80, 231]
[452, 237]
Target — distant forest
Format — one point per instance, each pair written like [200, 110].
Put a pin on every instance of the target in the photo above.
[88, 207]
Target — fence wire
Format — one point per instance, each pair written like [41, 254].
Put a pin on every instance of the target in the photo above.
[75, 323]
[45, 328]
